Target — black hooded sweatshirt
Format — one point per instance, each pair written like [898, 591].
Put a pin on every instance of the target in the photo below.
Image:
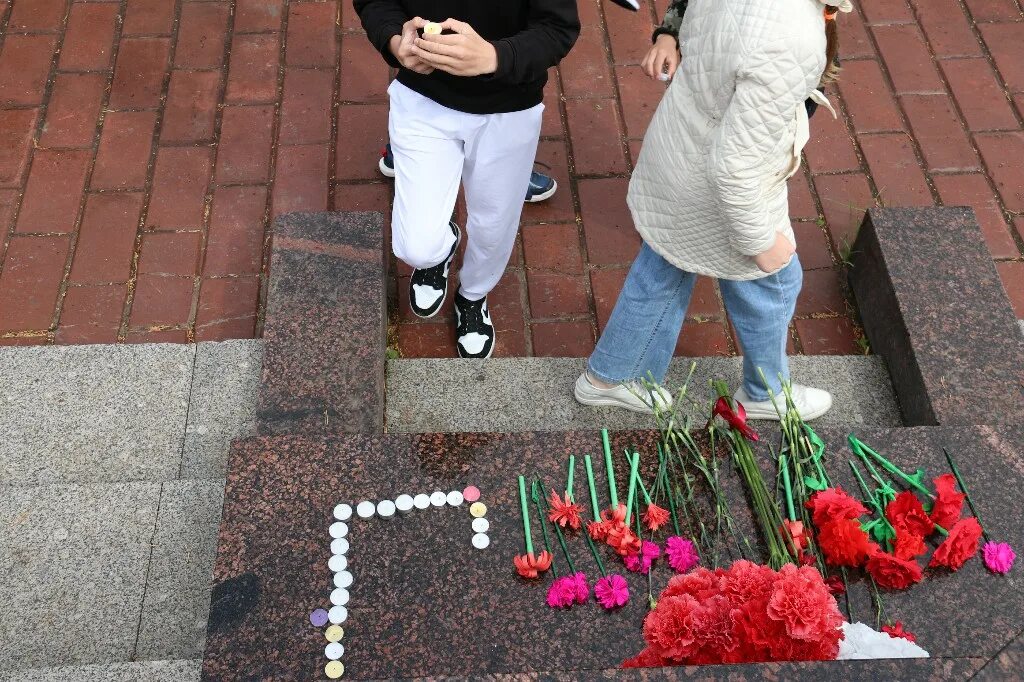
[529, 36]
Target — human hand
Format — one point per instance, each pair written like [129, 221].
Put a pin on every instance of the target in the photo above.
[777, 256]
[662, 59]
[463, 53]
[402, 47]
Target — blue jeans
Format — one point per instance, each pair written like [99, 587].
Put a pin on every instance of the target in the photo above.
[644, 326]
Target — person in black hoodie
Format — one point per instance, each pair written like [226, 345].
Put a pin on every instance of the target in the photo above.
[466, 106]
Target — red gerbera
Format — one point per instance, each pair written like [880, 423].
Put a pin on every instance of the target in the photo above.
[565, 513]
[530, 566]
[906, 510]
[655, 517]
[948, 502]
[959, 546]
[896, 630]
[893, 573]
[844, 543]
[833, 503]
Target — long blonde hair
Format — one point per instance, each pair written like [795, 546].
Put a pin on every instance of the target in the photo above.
[831, 73]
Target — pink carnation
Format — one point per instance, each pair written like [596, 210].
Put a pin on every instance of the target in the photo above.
[682, 554]
[641, 563]
[581, 588]
[998, 556]
[562, 593]
[611, 591]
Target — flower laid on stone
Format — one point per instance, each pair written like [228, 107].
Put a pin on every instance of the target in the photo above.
[529, 565]
[998, 557]
[896, 630]
[611, 591]
[655, 517]
[641, 562]
[570, 589]
[681, 553]
[564, 513]
[959, 546]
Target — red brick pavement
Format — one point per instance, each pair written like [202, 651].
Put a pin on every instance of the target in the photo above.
[145, 146]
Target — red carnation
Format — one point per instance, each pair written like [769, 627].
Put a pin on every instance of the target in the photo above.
[948, 502]
[835, 585]
[746, 581]
[908, 544]
[959, 546]
[893, 573]
[794, 530]
[714, 626]
[655, 517]
[896, 630]
[845, 543]
[801, 601]
[648, 658]
[565, 513]
[598, 530]
[906, 510]
[700, 583]
[833, 503]
[668, 627]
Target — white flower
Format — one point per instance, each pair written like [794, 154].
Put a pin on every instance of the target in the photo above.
[862, 642]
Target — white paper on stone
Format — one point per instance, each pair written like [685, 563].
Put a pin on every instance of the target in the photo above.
[861, 642]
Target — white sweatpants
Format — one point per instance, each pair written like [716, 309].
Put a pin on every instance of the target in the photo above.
[435, 148]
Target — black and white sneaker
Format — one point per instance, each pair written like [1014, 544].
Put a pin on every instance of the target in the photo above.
[474, 333]
[429, 286]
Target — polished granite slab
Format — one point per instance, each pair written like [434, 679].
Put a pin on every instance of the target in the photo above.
[933, 306]
[424, 603]
[324, 336]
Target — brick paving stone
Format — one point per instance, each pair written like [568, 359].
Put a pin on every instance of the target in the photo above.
[17, 127]
[157, 336]
[704, 301]
[554, 294]
[821, 293]
[907, 58]
[306, 108]
[234, 244]
[202, 31]
[180, 181]
[640, 96]
[801, 202]
[38, 15]
[254, 16]
[427, 340]
[562, 339]
[29, 282]
[585, 71]
[973, 190]
[605, 285]
[170, 253]
[596, 136]
[8, 204]
[812, 244]
[227, 308]
[558, 208]
[362, 134]
[311, 34]
[41, 340]
[139, 73]
[553, 247]
[947, 28]
[937, 128]
[855, 40]
[979, 95]
[551, 122]
[106, 239]
[24, 68]
[243, 151]
[703, 339]
[161, 301]
[886, 11]
[89, 39]
[610, 236]
[630, 34]
[830, 336]
[374, 197]
[1012, 274]
[74, 110]
[1006, 44]
[831, 147]
[364, 75]
[91, 314]
[896, 170]
[301, 179]
[252, 75]
[993, 10]
[349, 19]
[54, 191]
[505, 303]
[148, 17]
[1002, 154]
[124, 150]
[844, 199]
[191, 108]
[868, 99]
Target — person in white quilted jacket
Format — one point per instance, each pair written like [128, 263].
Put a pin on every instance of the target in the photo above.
[708, 196]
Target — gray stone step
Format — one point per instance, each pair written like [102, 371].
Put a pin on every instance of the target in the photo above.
[142, 671]
[535, 394]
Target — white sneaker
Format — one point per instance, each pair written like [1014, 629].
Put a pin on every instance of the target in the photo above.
[811, 403]
[629, 396]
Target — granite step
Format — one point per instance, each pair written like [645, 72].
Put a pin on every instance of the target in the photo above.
[139, 671]
[535, 394]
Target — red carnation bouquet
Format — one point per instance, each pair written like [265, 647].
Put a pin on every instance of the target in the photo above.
[744, 614]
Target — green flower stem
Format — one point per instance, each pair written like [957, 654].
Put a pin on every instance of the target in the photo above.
[963, 487]
[593, 551]
[572, 472]
[558, 534]
[870, 499]
[593, 489]
[789, 489]
[609, 468]
[892, 468]
[671, 502]
[639, 480]
[526, 515]
[633, 464]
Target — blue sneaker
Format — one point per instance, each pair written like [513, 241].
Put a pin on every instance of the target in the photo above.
[541, 188]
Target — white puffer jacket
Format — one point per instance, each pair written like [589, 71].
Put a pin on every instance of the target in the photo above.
[709, 189]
